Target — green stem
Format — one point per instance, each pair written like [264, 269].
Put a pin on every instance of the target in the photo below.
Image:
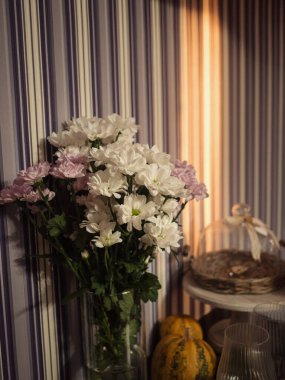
[130, 184]
[111, 210]
[128, 243]
[46, 202]
[73, 201]
[55, 243]
[88, 264]
[83, 276]
[108, 266]
[180, 211]
[106, 257]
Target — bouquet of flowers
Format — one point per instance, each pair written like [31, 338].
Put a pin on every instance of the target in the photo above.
[107, 205]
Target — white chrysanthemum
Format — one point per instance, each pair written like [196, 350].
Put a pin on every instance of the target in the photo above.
[95, 221]
[97, 155]
[74, 134]
[154, 155]
[93, 202]
[134, 210]
[125, 129]
[158, 180]
[99, 129]
[92, 128]
[75, 137]
[73, 151]
[162, 232]
[77, 122]
[128, 161]
[107, 154]
[107, 183]
[123, 157]
[107, 237]
[153, 177]
[98, 214]
[168, 206]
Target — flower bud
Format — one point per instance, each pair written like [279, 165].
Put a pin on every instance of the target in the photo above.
[85, 254]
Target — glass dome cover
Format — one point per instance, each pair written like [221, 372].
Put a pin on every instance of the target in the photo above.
[238, 254]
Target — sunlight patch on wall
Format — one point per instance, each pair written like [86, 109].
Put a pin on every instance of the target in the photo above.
[200, 123]
[201, 126]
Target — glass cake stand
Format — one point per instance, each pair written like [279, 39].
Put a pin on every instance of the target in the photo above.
[240, 305]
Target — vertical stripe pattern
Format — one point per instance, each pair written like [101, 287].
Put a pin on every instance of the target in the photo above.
[256, 81]
[232, 83]
[203, 78]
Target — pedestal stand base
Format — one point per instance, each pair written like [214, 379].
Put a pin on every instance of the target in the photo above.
[216, 332]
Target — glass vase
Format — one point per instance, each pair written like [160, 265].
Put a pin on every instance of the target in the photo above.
[110, 327]
[271, 316]
[246, 354]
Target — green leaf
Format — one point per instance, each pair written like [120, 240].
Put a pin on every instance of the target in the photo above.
[56, 225]
[149, 286]
[150, 280]
[126, 305]
[134, 326]
[96, 143]
[143, 190]
[150, 295]
[97, 287]
[82, 239]
[75, 294]
[130, 267]
[107, 303]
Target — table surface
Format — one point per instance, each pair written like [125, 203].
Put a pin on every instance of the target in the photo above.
[234, 302]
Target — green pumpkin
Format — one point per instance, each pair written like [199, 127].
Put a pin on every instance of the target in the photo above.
[182, 358]
[177, 324]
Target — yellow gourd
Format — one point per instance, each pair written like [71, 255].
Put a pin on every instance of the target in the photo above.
[182, 358]
[176, 325]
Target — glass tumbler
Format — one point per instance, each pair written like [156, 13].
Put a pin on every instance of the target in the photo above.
[246, 354]
[271, 316]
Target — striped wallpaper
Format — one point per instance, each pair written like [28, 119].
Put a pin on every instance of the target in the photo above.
[232, 100]
[204, 79]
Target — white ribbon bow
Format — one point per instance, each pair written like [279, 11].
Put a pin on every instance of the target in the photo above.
[254, 227]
